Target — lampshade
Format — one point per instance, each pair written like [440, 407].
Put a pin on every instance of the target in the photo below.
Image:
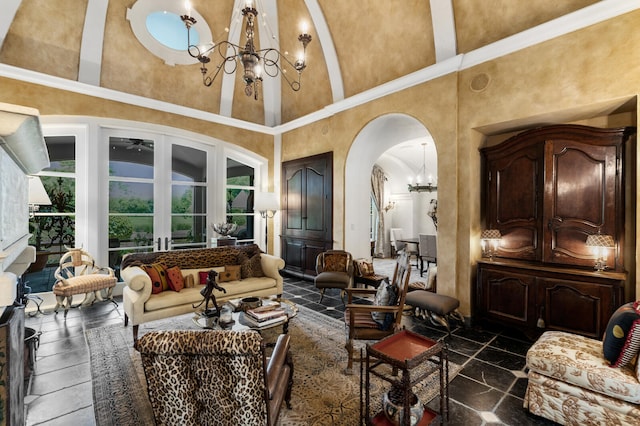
[490, 234]
[266, 201]
[600, 240]
[37, 193]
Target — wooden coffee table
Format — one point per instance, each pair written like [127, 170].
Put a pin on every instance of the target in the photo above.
[240, 323]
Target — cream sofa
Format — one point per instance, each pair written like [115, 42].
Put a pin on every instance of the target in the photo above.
[141, 305]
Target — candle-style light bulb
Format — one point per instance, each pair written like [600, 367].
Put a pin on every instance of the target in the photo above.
[187, 6]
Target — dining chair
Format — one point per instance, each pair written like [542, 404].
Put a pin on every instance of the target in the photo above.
[428, 249]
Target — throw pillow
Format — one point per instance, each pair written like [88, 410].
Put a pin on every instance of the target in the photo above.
[189, 282]
[335, 263]
[231, 273]
[432, 272]
[364, 267]
[204, 276]
[250, 266]
[158, 275]
[621, 340]
[175, 279]
[386, 295]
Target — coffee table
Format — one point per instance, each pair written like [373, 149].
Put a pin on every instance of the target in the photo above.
[240, 323]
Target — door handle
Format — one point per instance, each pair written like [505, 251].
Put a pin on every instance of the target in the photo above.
[159, 244]
[166, 243]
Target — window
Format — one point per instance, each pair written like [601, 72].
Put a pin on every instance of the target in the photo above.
[53, 226]
[240, 193]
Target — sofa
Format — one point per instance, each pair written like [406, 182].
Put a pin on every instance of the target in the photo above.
[242, 271]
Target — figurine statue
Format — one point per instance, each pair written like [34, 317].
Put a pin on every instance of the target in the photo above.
[207, 294]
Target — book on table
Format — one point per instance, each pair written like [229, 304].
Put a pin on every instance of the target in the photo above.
[264, 313]
[264, 323]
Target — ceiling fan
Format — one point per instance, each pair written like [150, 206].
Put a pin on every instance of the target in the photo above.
[139, 144]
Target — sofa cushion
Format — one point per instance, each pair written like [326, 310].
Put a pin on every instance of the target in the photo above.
[175, 279]
[578, 360]
[621, 339]
[157, 273]
[364, 267]
[193, 258]
[230, 273]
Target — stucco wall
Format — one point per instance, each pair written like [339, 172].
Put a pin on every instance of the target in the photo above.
[591, 73]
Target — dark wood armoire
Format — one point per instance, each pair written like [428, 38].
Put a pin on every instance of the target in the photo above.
[546, 190]
[307, 212]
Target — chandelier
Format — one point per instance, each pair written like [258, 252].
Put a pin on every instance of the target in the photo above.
[254, 61]
[423, 183]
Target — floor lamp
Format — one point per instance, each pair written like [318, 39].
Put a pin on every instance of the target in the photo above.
[266, 203]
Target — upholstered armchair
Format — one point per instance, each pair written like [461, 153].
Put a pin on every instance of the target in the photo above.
[334, 269]
[384, 316]
[577, 380]
[215, 377]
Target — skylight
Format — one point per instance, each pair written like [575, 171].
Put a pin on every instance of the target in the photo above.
[168, 29]
[158, 27]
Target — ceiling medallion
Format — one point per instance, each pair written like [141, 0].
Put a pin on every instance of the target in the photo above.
[254, 61]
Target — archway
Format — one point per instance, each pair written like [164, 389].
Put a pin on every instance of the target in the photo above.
[374, 139]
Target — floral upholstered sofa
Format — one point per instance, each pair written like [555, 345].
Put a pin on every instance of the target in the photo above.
[571, 383]
[164, 284]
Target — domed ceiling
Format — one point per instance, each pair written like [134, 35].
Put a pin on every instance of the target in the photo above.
[359, 51]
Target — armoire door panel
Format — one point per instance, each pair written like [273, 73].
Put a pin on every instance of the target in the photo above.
[314, 212]
[512, 200]
[582, 198]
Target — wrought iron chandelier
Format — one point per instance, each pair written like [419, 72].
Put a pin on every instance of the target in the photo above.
[421, 178]
[254, 61]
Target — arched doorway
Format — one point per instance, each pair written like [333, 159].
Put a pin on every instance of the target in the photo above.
[374, 139]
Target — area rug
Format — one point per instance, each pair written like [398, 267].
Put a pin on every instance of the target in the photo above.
[322, 393]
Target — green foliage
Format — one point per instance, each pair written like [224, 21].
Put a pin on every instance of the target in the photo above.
[120, 227]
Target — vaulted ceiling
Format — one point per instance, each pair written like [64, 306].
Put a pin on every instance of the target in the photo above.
[358, 48]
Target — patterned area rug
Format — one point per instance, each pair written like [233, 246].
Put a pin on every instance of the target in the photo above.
[322, 393]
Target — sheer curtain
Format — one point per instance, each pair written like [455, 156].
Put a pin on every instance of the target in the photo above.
[377, 189]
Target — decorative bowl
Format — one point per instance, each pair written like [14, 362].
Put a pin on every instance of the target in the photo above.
[392, 405]
[224, 229]
[250, 303]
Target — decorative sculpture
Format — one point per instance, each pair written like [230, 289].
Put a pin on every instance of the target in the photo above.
[432, 211]
[207, 294]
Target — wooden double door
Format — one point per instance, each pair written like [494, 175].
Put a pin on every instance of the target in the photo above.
[307, 223]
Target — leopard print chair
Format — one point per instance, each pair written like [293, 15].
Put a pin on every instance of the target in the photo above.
[215, 377]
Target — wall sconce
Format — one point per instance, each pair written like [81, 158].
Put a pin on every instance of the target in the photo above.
[490, 241]
[389, 206]
[600, 244]
[266, 203]
[37, 195]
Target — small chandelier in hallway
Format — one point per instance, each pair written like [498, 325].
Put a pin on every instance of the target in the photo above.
[423, 183]
[254, 61]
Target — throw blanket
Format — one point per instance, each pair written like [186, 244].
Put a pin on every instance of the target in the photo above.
[194, 258]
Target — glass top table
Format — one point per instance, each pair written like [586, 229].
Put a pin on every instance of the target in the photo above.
[239, 320]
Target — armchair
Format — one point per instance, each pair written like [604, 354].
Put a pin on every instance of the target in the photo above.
[215, 377]
[428, 250]
[78, 274]
[334, 269]
[383, 318]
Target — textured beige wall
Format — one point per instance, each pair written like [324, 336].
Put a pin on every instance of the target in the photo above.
[588, 74]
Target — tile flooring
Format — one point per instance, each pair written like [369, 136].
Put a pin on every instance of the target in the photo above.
[488, 390]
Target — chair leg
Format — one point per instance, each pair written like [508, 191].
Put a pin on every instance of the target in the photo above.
[287, 396]
[349, 347]
[321, 295]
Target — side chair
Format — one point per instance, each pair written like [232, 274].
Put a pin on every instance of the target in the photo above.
[334, 269]
[384, 317]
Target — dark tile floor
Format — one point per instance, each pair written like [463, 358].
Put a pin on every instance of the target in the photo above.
[488, 390]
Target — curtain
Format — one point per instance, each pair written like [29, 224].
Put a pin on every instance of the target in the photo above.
[377, 189]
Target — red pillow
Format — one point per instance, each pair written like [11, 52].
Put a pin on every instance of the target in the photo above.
[175, 279]
[158, 275]
[204, 275]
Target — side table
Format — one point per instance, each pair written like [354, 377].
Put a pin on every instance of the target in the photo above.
[372, 280]
[406, 350]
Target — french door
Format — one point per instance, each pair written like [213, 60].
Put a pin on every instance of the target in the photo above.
[158, 192]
